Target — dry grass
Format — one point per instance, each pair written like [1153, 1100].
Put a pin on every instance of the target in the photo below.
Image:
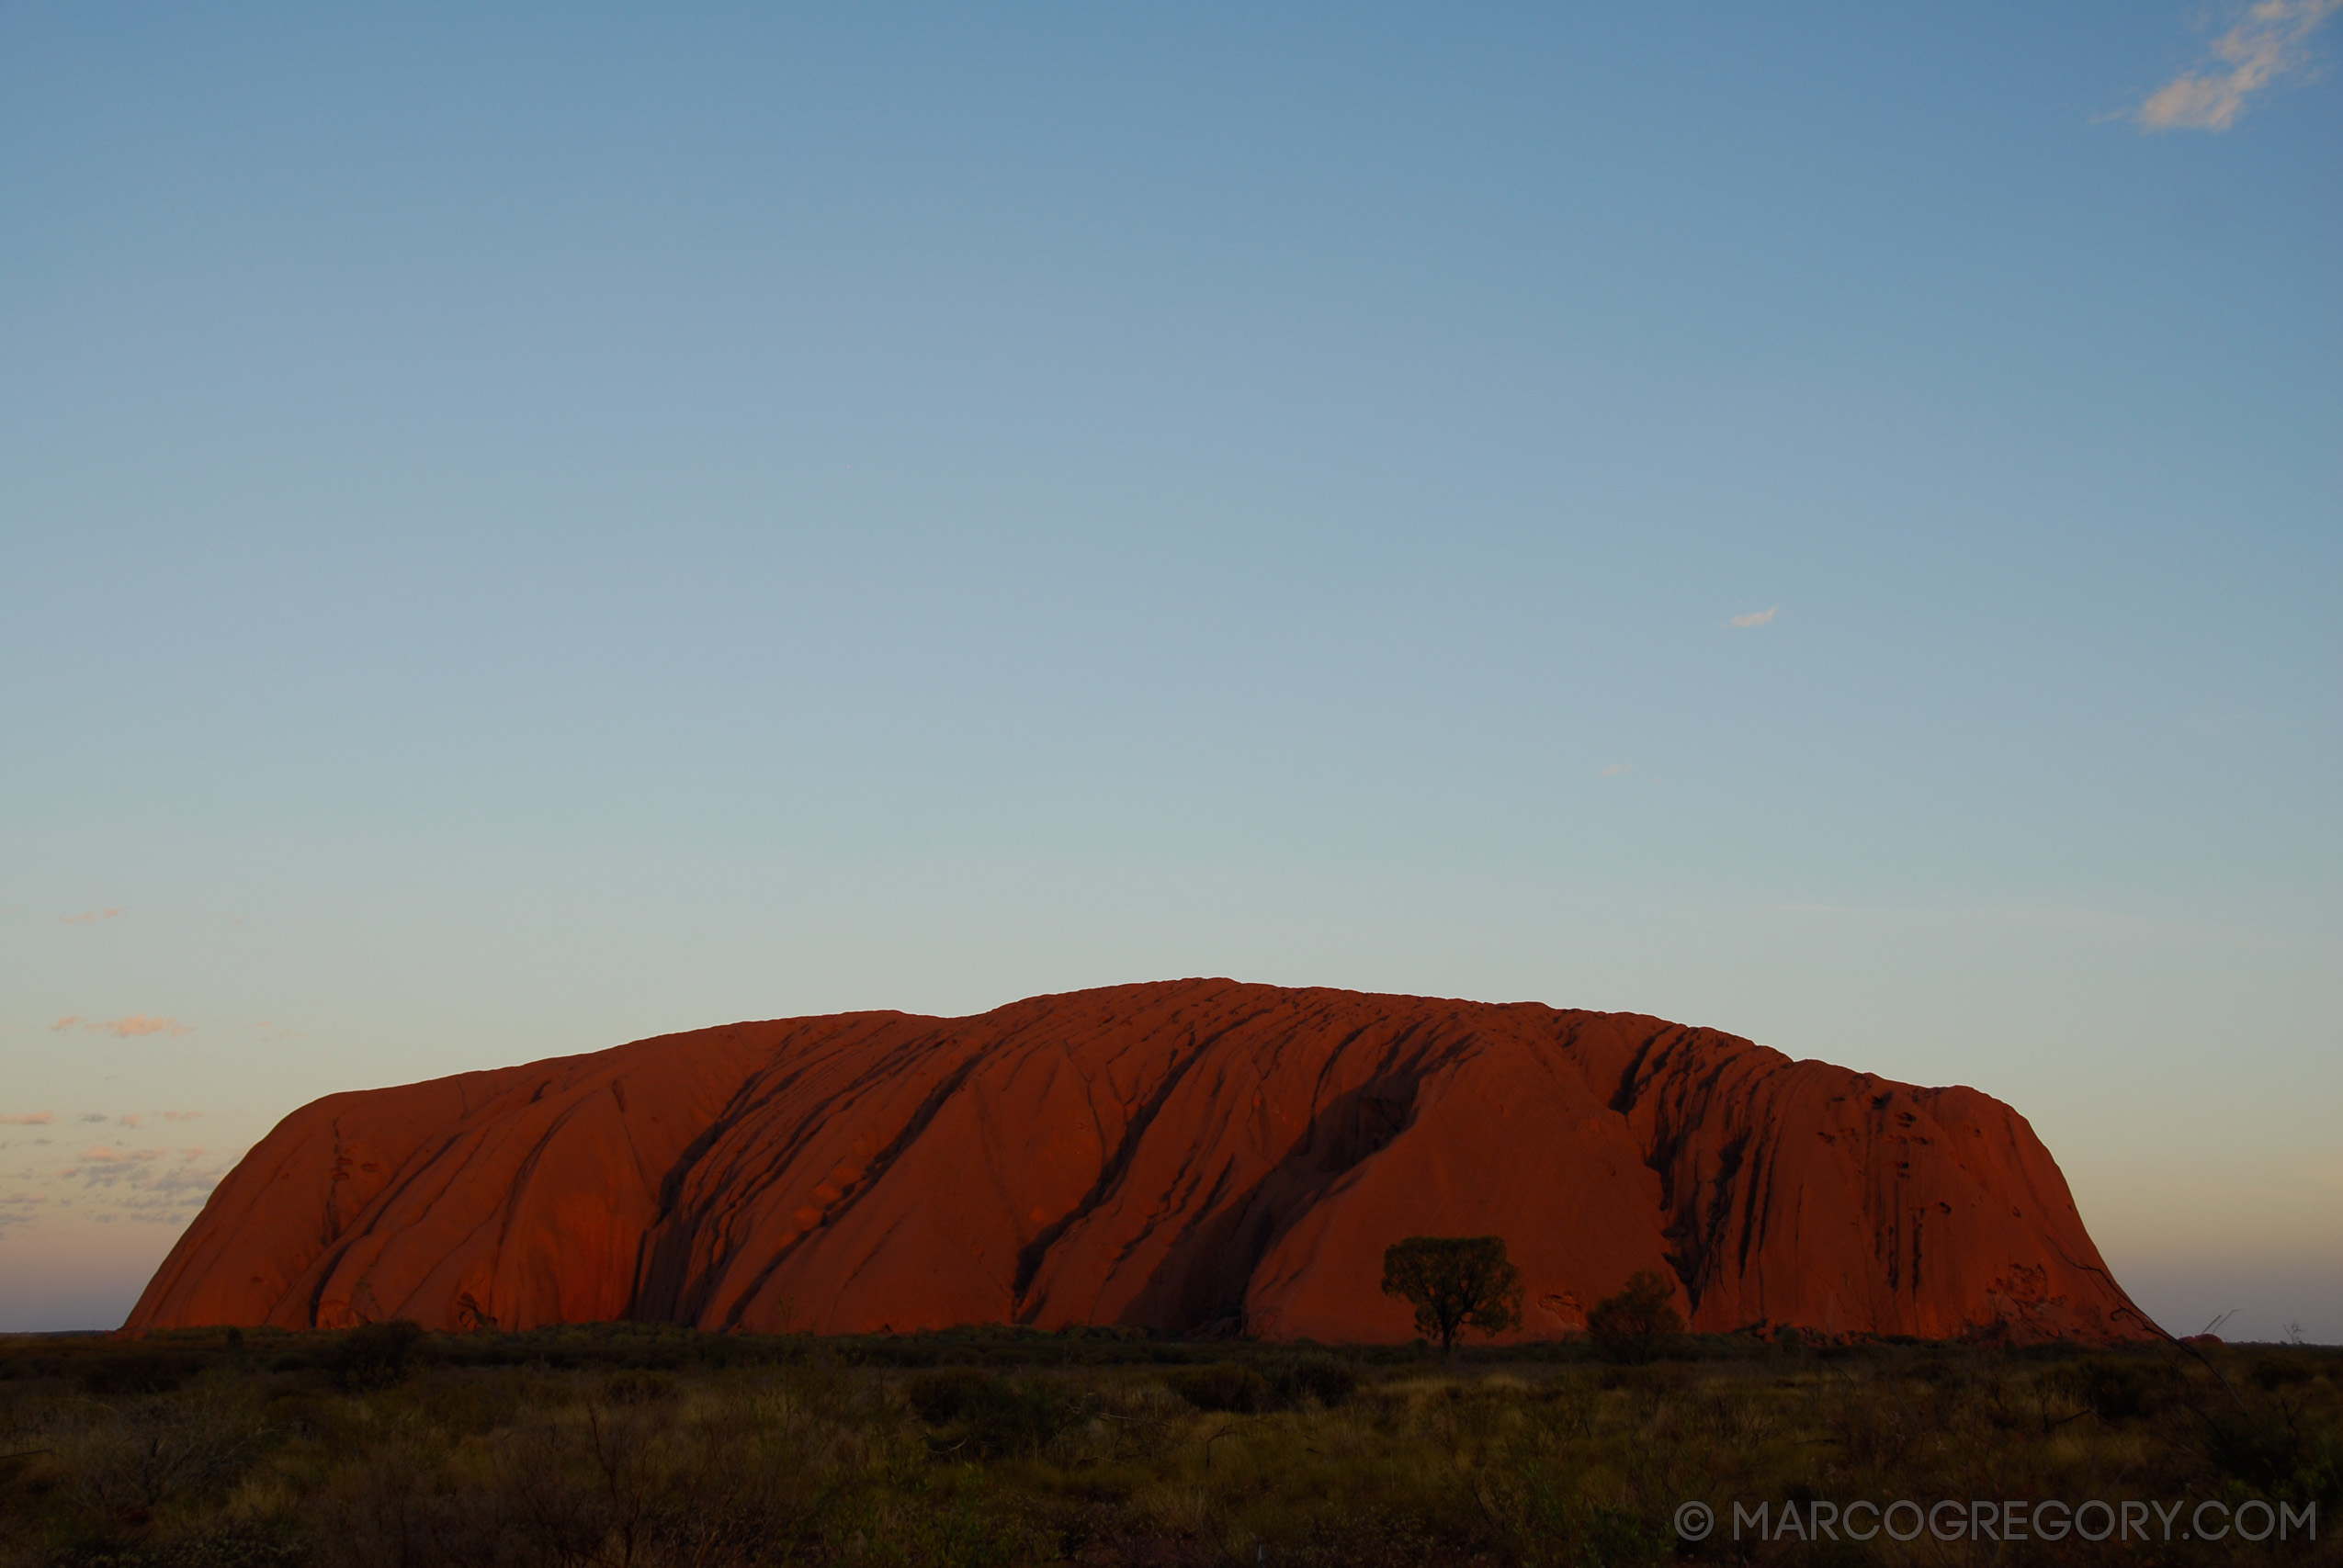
[630, 1447]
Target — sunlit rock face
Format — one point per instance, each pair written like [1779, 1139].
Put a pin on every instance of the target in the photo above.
[1195, 1155]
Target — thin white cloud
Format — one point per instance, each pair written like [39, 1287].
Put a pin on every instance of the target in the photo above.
[181, 1115]
[1615, 769]
[1754, 618]
[32, 1119]
[89, 916]
[2271, 43]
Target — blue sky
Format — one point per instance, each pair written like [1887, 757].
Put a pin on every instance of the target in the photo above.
[525, 529]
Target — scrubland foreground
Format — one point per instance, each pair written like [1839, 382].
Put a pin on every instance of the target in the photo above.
[622, 1446]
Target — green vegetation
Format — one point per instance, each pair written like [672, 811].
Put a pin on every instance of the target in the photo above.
[1454, 1282]
[636, 1446]
[1637, 1322]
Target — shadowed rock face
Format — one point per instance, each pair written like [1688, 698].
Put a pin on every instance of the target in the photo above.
[1186, 1155]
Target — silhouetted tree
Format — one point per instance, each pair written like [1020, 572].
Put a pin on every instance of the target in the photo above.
[1455, 1282]
[1630, 1325]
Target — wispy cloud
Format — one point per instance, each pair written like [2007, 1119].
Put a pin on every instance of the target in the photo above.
[19, 1208]
[1754, 618]
[32, 1119]
[89, 916]
[88, 1117]
[139, 1023]
[2271, 43]
[1615, 769]
[159, 1185]
[181, 1115]
[130, 1027]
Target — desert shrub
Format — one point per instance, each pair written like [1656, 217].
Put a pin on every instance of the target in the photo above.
[1618, 1538]
[638, 1387]
[591, 1486]
[2282, 1369]
[1303, 1378]
[1634, 1325]
[2256, 1446]
[375, 1355]
[2111, 1388]
[938, 1397]
[312, 1413]
[392, 1508]
[237, 1544]
[1942, 1370]
[470, 1404]
[138, 1372]
[1647, 1382]
[1224, 1385]
[992, 1417]
[967, 1530]
[129, 1459]
[1342, 1537]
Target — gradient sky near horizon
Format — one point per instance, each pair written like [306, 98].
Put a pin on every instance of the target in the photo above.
[523, 528]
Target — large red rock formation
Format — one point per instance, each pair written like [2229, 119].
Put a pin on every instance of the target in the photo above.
[1187, 1156]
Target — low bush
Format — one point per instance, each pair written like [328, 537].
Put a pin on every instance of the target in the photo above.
[986, 1415]
[1224, 1385]
[1307, 1379]
[138, 1372]
[374, 1355]
[1637, 1324]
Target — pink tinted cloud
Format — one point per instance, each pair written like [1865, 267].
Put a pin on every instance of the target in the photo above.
[89, 916]
[164, 1186]
[32, 1119]
[131, 1027]
[139, 1024]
